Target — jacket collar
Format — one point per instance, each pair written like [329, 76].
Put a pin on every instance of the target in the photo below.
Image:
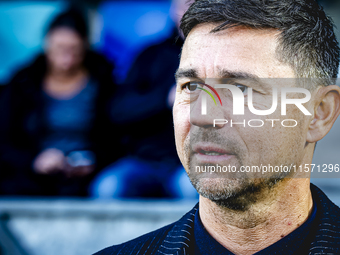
[180, 239]
[327, 236]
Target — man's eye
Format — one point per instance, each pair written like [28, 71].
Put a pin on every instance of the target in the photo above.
[243, 88]
[191, 86]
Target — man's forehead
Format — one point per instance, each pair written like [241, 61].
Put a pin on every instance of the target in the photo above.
[203, 32]
[237, 48]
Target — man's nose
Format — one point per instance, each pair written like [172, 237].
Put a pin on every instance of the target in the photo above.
[210, 112]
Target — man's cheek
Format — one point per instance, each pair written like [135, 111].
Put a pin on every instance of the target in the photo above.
[181, 114]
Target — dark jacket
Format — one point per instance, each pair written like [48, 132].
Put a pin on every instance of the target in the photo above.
[22, 125]
[178, 238]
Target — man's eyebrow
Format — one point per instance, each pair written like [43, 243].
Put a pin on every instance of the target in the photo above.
[223, 73]
[186, 73]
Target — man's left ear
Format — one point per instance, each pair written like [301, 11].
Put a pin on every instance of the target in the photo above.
[327, 110]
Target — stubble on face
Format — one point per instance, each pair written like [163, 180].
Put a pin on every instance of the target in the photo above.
[236, 191]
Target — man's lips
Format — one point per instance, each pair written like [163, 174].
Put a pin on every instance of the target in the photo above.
[209, 147]
[210, 153]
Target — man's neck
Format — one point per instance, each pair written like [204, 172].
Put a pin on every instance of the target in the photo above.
[264, 223]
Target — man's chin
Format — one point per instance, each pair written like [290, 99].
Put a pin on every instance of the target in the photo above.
[235, 194]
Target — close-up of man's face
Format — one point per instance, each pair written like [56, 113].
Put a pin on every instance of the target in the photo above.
[248, 57]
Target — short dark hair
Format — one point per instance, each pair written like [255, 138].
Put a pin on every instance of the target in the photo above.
[72, 19]
[307, 40]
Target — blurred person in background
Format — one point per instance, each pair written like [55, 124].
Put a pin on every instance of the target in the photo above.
[56, 132]
[142, 110]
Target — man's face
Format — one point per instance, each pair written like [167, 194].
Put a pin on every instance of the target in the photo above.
[232, 53]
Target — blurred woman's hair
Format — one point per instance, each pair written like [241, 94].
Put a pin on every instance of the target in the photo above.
[72, 19]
